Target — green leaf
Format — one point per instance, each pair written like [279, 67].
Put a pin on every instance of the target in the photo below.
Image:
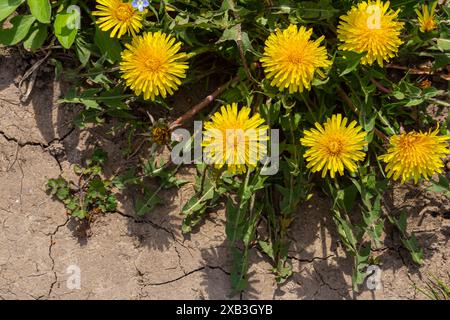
[41, 10]
[99, 156]
[315, 10]
[401, 222]
[7, 7]
[442, 186]
[283, 273]
[127, 178]
[96, 188]
[65, 29]
[270, 111]
[146, 204]
[361, 262]
[108, 46]
[196, 203]
[83, 50]
[193, 211]
[349, 61]
[413, 102]
[414, 249]
[398, 95]
[62, 193]
[193, 205]
[443, 44]
[239, 277]
[349, 200]
[345, 232]
[110, 203]
[251, 224]
[37, 38]
[79, 213]
[234, 34]
[21, 26]
[71, 205]
[267, 248]
[87, 98]
[441, 60]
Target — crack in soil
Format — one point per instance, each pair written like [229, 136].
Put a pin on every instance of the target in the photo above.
[153, 224]
[40, 144]
[157, 226]
[176, 279]
[21, 185]
[51, 256]
[179, 259]
[186, 275]
[44, 146]
[324, 283]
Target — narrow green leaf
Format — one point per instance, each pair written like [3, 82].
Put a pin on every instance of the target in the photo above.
[401, 222]
[195, 203]
[143, 207]
[414, 249]
[108, 46]
[267, 248]
[350, 61]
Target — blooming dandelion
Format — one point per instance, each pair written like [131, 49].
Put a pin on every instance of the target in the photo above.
[426, 18]
[334, 146]
[119, 16]
[152, 65]
[291, 59]
[234, 139]
[371, 27]
[415, 155]
[140, 4]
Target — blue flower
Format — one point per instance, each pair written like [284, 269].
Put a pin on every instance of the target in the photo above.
[140, 4]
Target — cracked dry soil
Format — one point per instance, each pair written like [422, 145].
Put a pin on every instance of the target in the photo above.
[129, 258]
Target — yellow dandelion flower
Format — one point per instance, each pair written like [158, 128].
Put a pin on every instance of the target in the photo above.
[334, 146]
[119, 16]
[235, 139]
[415, 155]
[153, 65]
[371, 28]
[426, 19]
[291, 59]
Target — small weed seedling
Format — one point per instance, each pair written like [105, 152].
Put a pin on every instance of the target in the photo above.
[92, 194]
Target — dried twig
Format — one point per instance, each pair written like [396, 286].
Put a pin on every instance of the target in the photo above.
[205, 102]
[380, 86]
[409, 70]
[139, 146]
[31, 72]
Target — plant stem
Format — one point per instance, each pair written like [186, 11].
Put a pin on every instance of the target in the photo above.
[380, 86]
[341, 93]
